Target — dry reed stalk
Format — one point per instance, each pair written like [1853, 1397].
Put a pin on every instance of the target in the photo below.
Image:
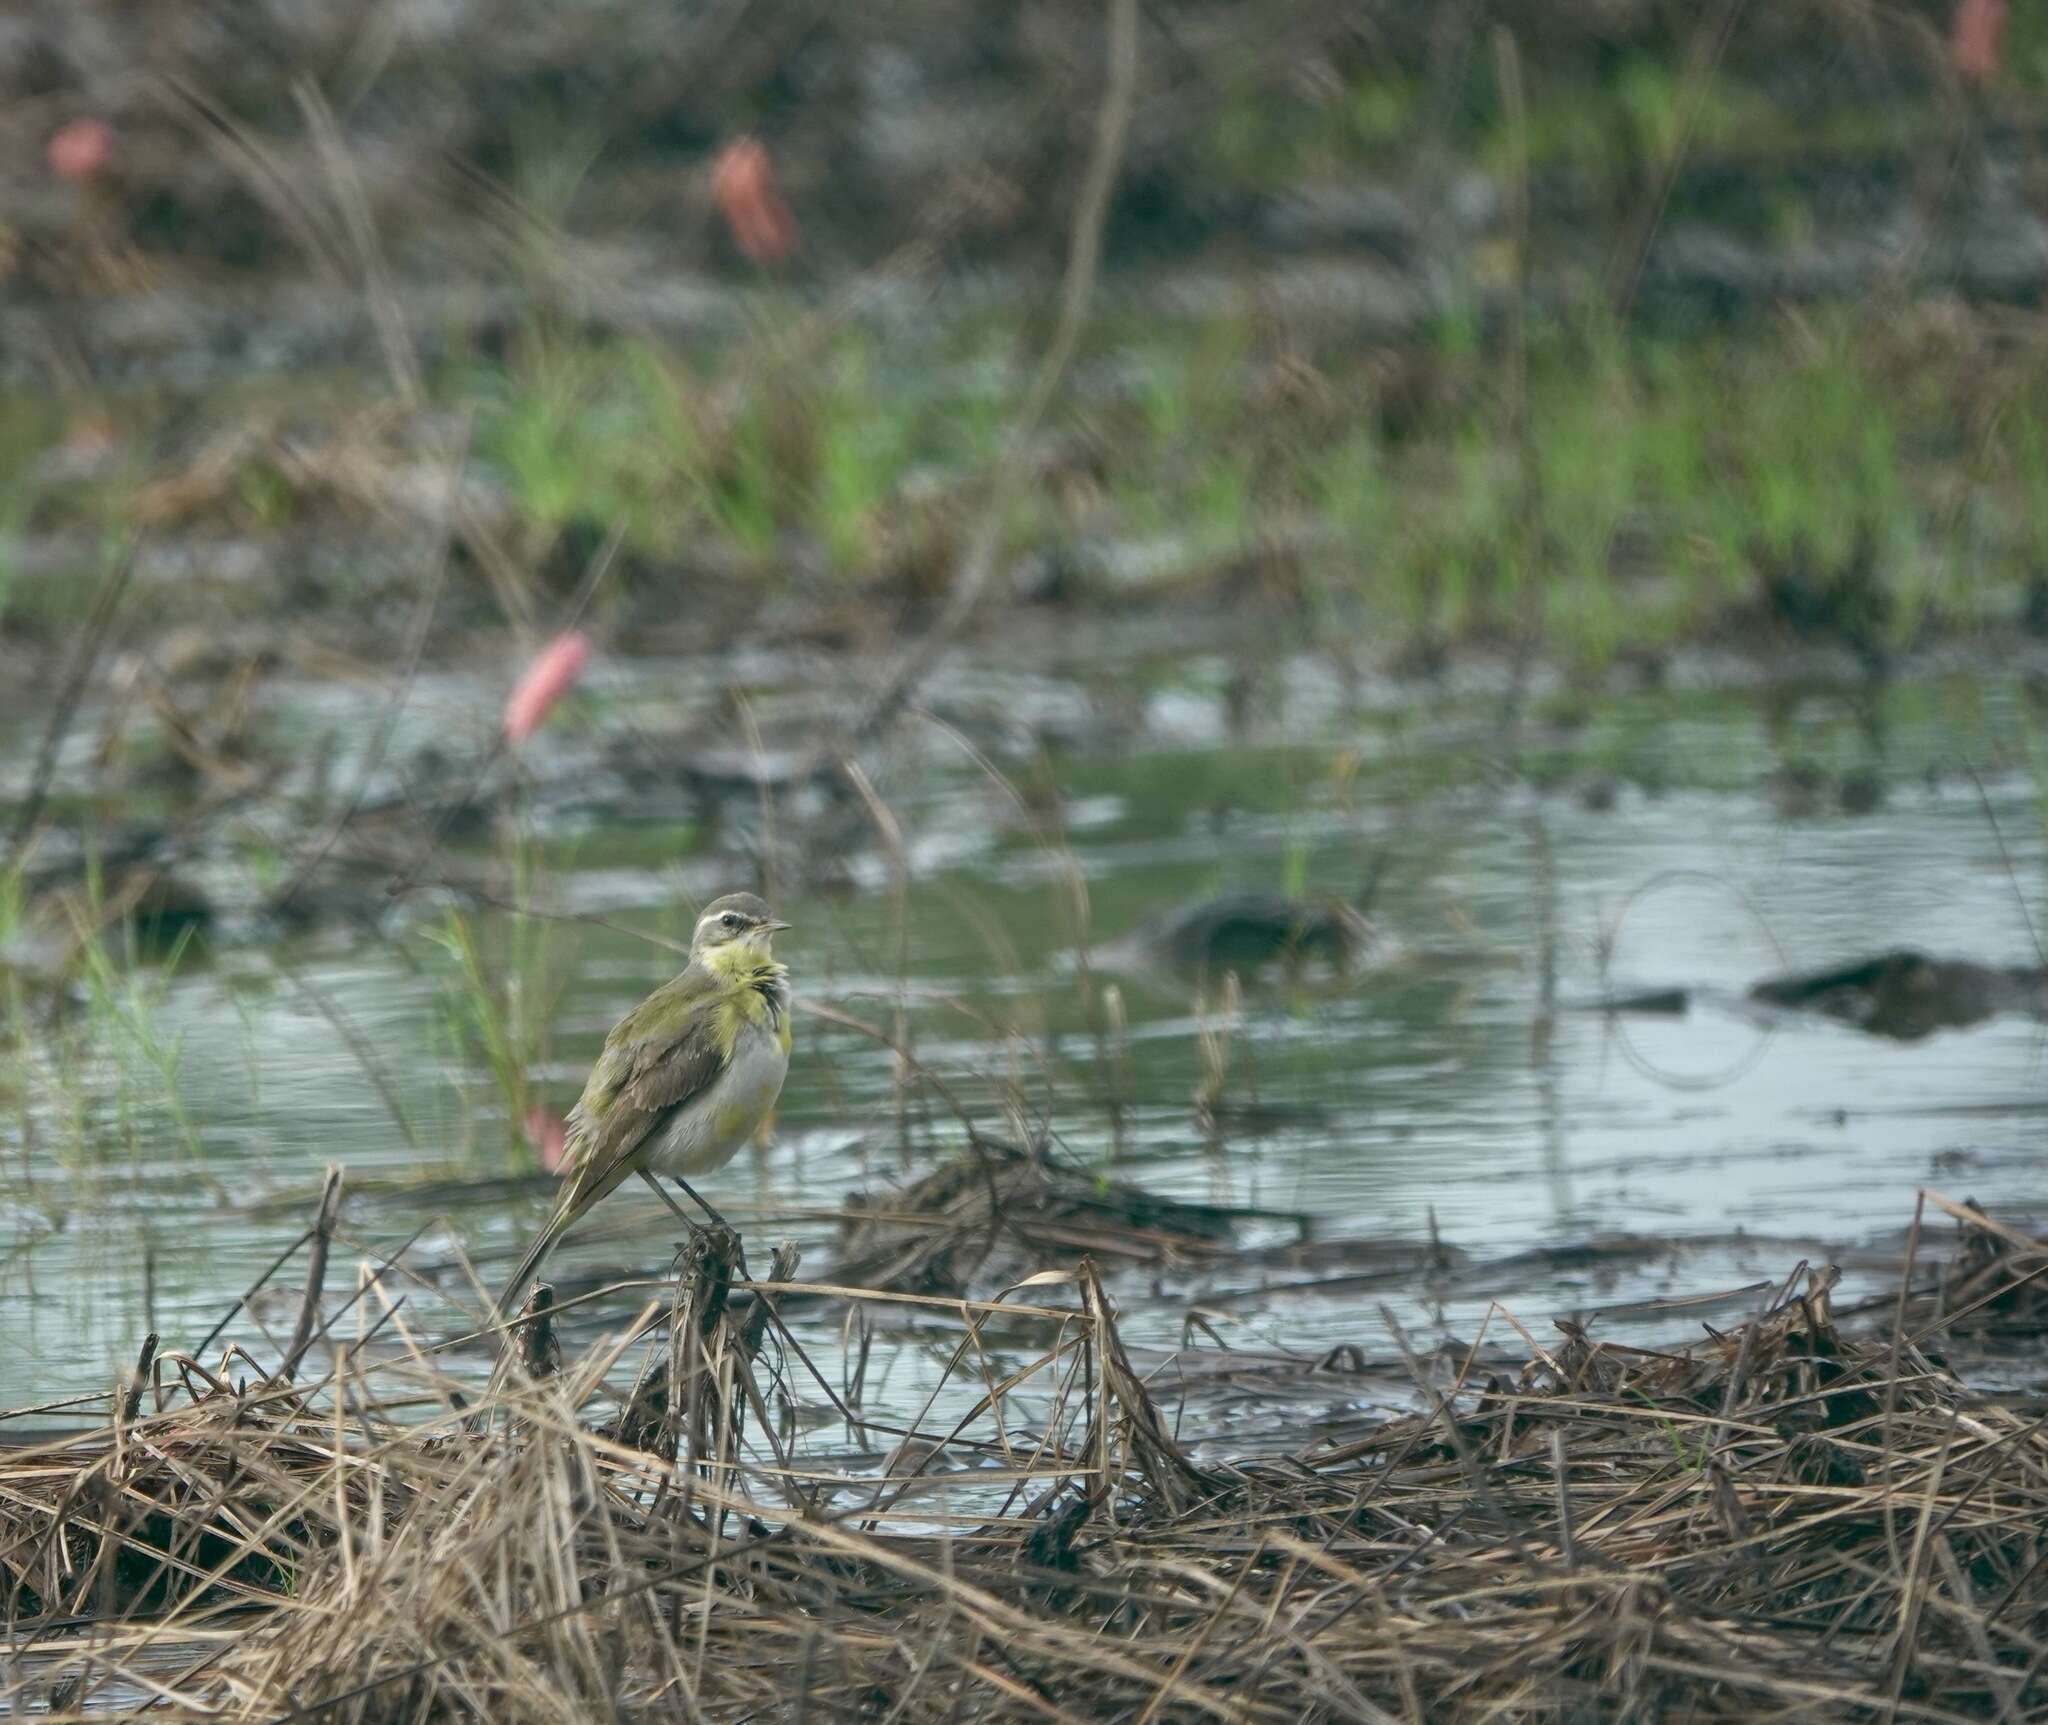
[995, 1215]
[1786, 1521]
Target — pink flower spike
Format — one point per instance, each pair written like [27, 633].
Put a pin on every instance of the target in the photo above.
[546, 1132]
[81, 151]
[744, 189]
[552, 675]
[1976, 30]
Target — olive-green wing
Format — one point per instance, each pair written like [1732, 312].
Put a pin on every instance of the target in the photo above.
[657, 1057]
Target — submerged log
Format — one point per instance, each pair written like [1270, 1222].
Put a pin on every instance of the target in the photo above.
[1906, 994]
[1902, 994]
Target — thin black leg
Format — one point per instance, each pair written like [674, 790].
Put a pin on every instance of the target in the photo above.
[660, 1191]
[717, 1221]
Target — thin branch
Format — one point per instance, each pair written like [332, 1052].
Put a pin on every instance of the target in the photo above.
[65, 709]
[1077, 292]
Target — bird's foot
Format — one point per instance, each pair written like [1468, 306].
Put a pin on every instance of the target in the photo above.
[706, 1246]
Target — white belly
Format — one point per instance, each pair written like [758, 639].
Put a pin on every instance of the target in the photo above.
[704, 1132]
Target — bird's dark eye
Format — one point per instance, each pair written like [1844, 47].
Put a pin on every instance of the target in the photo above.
[731, 919]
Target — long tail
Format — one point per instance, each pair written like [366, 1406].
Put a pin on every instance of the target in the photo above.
[581, 1189]
[536, 1254]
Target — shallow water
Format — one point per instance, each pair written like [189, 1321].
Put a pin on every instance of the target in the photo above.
[1456, 1082]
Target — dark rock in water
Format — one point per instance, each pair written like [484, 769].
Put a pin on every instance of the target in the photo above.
[1845, 602]
[1796, 789]
[163, 911]
[2034, 610]
[1598, 796]
[1861, 791]
[1908, 995]
[1248, 931]
[1803, 791]
[136, 887]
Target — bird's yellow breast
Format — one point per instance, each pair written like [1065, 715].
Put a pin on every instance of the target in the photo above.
[753, 994]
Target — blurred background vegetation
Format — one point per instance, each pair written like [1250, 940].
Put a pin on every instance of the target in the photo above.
[1603, 325]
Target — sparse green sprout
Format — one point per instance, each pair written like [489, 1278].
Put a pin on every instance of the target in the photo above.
[1214, 1028]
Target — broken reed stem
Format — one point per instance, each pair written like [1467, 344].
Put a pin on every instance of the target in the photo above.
[138, 1380]
[316, 1272]
[540, 1349]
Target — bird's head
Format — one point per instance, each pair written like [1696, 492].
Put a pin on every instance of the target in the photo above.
[738, 924]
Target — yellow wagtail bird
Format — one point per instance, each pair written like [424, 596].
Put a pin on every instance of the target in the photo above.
[685, 1078]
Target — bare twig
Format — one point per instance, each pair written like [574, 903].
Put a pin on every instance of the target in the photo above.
[84, 655]
[387, 720]
[1013, 465]
[1702, 60]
